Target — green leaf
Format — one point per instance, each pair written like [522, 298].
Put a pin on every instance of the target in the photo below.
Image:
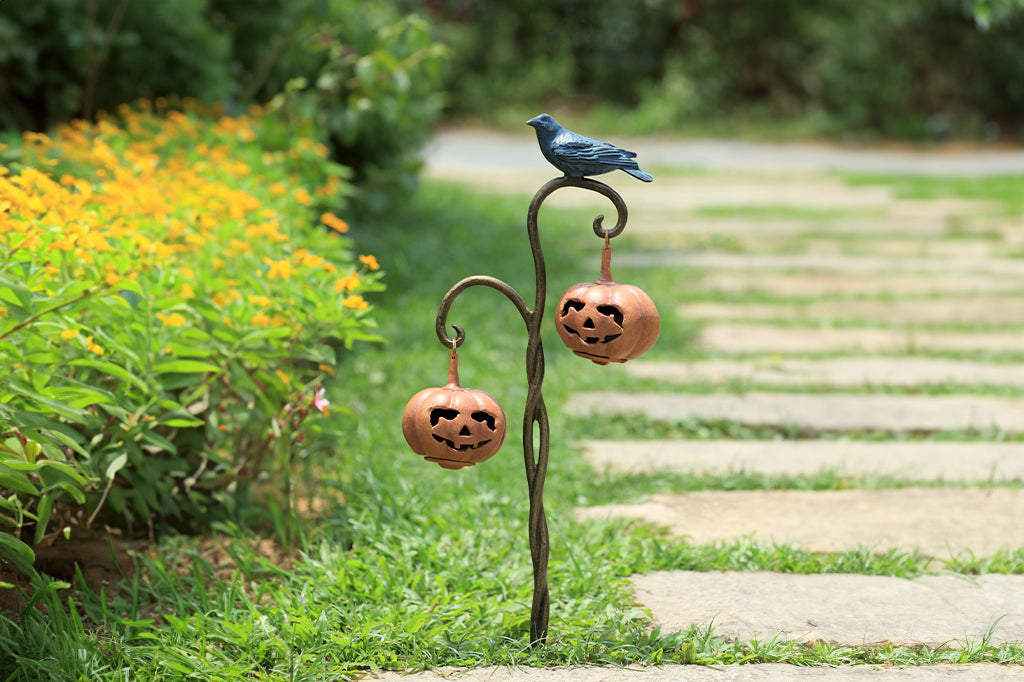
[58, 407]
[19, 482]
[16, 294]
[110, 369]
[116, 465]
[181, 422]
[73, 492]
[64, 468]
[42, 517]
[269, 333]
[159, 441]
[184, 367]
[416, 623]
[17, 552]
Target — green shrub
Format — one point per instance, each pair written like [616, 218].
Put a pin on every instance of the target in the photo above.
[371, 80]
[66, 58]
[168, 317]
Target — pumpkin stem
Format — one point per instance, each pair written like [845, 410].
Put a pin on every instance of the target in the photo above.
[606, 261]
[453, 370]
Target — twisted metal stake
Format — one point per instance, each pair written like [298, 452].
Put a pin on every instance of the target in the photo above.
[535, 415]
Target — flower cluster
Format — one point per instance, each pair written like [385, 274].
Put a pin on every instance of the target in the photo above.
[166, 271]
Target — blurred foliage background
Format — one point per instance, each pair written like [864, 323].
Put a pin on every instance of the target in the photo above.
[374, 73]
[914, 69]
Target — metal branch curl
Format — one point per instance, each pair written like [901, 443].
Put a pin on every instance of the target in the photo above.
[535, 417]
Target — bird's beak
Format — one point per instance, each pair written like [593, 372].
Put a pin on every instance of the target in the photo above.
[532, 122]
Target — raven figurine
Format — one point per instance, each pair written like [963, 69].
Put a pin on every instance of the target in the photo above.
[578, 156]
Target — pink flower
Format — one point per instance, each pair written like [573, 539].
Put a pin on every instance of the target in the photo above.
[320, 402]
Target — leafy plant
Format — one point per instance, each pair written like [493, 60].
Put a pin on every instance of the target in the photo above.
[169, 316]
[375, 91]
[65, 58]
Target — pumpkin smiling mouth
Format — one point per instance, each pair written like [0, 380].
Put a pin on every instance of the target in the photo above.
[463, 447]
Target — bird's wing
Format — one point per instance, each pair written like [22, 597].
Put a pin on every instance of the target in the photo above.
[585, 150]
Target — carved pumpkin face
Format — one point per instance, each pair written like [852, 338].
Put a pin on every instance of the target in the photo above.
[454, 426]
[607, 322]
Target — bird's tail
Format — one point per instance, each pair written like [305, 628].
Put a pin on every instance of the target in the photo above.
[639, 174]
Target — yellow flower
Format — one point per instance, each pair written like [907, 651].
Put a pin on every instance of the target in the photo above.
[259, 300]
[68, 334]
[98, 350]
[306, 258]
[370, 262]
[302, 196]
[173, 320]
[348, 283]
[356, 302]
[334, 222]
[261, 320]
[187, 292]
[279, 269]
[237, 245]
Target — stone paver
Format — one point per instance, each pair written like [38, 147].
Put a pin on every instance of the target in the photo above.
[811, 411]
[938, 522]
[814, 262]
[666, 224]
[893, 249]
[762, 672]
[965, 310]
[690, 193]
[766, 338]
[931, 610]
[842, 372]
[919, 461]
[815, 284]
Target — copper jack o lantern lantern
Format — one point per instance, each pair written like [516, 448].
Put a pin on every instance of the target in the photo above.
[454, 426]
[605, 321]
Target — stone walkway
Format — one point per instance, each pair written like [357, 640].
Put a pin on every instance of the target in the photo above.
[932, 289]
[875, 318]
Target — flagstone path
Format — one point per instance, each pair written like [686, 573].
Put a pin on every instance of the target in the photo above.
[829, 312]
[878, 318]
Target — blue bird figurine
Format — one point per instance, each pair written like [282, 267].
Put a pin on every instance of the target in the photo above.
[578, 156]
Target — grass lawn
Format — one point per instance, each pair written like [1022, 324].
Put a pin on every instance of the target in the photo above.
[412, 566]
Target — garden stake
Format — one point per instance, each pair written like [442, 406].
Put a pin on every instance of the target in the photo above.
[536, 431]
